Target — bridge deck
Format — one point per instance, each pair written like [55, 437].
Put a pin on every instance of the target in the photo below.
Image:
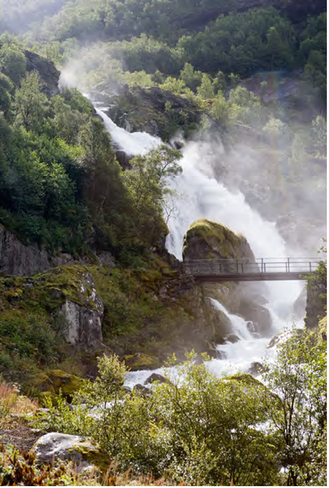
[270, 269]
[250, 277]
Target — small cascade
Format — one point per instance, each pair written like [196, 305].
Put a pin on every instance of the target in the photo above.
[238, 323]
[133, 143]
[237, 357]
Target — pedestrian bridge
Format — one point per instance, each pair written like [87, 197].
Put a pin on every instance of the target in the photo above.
[269, 269]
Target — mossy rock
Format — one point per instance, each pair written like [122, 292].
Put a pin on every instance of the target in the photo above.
[56, 381]
[206, 239]
[246, 379]
[93, 454]
[141, 361]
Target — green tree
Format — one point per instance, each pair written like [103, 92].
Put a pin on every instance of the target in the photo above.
[191, 78]
[298, 379]
[147, 187]
[30, 104]
[6, 87]
[12, 62]
[206, 89]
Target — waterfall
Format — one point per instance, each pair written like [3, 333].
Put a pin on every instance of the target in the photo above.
[200, 195]
[133, 143]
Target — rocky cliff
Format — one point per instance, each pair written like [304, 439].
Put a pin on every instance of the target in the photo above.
[153, 110]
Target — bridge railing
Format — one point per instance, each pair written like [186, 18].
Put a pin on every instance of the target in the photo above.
[245, 266]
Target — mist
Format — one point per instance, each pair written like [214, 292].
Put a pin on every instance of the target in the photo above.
[273, 172]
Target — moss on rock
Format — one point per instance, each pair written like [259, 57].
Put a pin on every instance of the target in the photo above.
[141, 361]
[56, 381]
[94, 455]
[206, 239]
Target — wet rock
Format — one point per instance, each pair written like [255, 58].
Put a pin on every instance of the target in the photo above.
[156, 377]
[258, 317]
[123, 159]
[282, 337]
[256, 369]
[221, 355]
[233, 338]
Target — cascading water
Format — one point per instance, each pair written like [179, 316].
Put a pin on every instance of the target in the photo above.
[132, 143]
[202, 196]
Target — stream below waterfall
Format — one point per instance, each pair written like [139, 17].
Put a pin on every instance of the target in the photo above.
[200, 195]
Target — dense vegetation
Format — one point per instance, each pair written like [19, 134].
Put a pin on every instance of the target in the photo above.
[187, 430]
[60, 182]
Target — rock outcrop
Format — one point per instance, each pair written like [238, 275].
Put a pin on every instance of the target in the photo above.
[67, 292]
[49, 75]
[153, 110]
[18, 259]
[84, 319]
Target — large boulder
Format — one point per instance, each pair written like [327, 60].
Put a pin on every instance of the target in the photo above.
[68, 293]
[206, 239]
[83, 452]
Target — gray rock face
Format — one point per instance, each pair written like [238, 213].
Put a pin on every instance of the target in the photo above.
[52, 447]
[84, 323]
[18, 259]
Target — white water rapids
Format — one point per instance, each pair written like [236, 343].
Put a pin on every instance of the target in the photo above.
[200, 195]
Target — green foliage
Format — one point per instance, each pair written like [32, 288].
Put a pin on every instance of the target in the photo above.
[6, 87]
[201, 430]
[147, 188]
[299, 378]
[27, 342]
[30, 104]
[12, 62]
